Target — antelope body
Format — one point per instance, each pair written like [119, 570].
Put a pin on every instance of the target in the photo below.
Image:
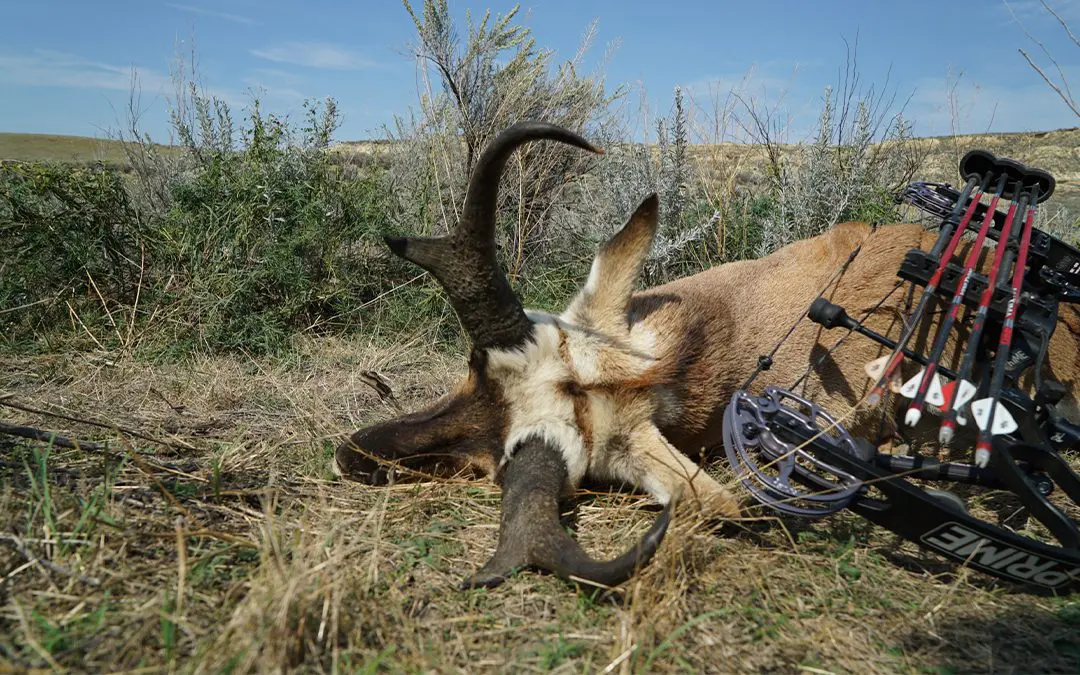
[630, 388]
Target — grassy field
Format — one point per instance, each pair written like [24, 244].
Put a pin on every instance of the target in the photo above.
[1056, 151]
[53, 148]
[207, 535]
[201, 531]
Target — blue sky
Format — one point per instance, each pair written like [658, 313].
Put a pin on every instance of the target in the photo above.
[66, 65]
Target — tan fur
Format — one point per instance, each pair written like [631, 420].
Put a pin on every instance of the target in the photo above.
[718, 322]
[632, 386]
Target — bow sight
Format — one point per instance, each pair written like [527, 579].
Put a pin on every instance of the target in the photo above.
[797, 459]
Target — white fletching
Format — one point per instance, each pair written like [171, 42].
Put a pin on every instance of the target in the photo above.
[934, 395]
[965, 392]
[876, 368]
[945, 435]
[1003, 419]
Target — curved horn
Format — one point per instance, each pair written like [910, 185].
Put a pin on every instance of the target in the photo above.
[464, 261]
[530, 533]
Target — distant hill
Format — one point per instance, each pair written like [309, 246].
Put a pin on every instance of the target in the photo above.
[54, 148]
[1057, 151]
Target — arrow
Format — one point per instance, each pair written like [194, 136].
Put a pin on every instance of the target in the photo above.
[926, 377]
[876, 368]
[999, 271]
[893, 362]
[997, 377]
[1004, 422]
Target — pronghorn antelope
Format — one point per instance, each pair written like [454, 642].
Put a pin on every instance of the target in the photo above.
[630, 387]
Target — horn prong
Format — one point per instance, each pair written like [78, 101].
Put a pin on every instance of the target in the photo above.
[464, 262]
[397, 245]
[434, 254]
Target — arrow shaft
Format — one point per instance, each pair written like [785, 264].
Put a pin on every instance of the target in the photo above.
[957, 301]
[953, 237]
[997, 378]
[999, 270]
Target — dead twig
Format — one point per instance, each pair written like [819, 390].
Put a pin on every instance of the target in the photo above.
[178, 409]
[18, 545]
[181, 567]
[47, 436]
[6, 401]
[381, 387]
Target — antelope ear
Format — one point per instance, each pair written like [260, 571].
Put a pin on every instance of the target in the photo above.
[602, 303]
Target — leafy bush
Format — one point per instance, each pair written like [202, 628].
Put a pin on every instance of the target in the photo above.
[70, 240]
[268, 239]
[686, 240]
[250, 243]
[250, 232]
[860, 158]
[481, 85]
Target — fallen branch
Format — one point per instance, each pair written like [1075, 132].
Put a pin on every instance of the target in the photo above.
[5, 401]
[47, 436]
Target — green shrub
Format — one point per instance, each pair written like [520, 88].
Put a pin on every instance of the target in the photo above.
[271, 238]
[70, 242]
[485, 77]
[253, 231]
[860, 158]
[251, 242]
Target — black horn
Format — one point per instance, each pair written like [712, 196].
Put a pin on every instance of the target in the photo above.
[530, 534]
[464, 261]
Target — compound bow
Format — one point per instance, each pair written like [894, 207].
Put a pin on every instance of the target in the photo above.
[796, 458]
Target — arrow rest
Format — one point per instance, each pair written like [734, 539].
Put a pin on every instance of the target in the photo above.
[797, 459]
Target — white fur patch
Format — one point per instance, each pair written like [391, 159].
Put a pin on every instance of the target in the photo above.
[531, 358]
[593, 281]
[531, 380]
[652, 484]
[643, 339]
[583, 349]
[592, 352]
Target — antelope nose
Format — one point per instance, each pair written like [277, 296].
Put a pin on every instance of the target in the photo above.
[353, 463]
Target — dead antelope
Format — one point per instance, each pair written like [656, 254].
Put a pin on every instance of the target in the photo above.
[626, 387]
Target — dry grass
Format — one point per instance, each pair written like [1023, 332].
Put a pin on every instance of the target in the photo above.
[1055, 151]
[67, 149]
[242, 554]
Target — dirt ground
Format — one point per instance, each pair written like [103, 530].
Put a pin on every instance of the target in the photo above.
[207, 534]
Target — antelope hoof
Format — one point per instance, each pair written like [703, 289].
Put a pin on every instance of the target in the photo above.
[717, 504]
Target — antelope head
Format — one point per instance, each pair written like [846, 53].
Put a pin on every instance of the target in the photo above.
[547, 399]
